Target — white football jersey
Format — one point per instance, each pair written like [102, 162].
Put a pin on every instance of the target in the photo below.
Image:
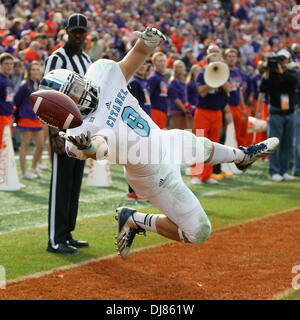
[133, 139]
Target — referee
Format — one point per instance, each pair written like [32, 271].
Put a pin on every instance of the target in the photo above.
[67, 172]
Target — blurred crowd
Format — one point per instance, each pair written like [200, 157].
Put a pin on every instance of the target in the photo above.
[32, 30]
[35, 28]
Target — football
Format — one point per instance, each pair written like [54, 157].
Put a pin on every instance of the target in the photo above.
[55, 109]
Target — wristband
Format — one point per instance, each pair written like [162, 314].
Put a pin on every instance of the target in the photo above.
[92, 149]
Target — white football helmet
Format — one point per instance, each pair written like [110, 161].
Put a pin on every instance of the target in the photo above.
[83, 92]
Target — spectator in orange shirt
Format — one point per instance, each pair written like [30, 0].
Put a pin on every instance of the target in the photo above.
[172, 56]
[34, 52]
[178, 38]
[51, 24]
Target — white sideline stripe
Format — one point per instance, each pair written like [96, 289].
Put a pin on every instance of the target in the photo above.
[30, 156]
[53, 200]
[43, 225]
[212, 193]
[37, 104]
[68, 121]
[86, 262]
[76, 265]
[94, 200]
[21, 211]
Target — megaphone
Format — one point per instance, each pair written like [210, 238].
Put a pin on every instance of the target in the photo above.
[216, 74]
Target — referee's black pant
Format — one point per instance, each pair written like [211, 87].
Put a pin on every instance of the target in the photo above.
[65, 187]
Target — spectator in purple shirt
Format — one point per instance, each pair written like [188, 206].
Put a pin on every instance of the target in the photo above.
[28, 123]
[177, 97]
[118, 20]
[208, 118]
[17, 76]
[6, 92]
[10, 45]
[192, 93]
[16, 28]
[157, 89]
[236, 98]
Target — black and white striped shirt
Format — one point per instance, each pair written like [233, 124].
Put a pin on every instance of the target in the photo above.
[65, 58]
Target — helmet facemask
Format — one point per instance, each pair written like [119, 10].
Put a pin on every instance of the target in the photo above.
[82, 92]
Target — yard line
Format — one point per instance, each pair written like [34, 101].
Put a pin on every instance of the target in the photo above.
[30, 156]
[212, 193]
[93, 200]
[22, 210]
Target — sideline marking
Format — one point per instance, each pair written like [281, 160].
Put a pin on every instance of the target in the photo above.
[77, 265]
[268, 215]
[86, 262]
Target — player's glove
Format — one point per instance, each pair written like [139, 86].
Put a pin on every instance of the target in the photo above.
[82, 142]
[151, 36]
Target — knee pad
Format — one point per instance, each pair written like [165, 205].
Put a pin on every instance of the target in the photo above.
[204, 232]
[198, 232]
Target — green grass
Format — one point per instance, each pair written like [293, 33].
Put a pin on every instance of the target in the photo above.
[23, 215]
[294, 296]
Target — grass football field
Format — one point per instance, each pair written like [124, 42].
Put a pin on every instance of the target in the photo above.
[23, 216]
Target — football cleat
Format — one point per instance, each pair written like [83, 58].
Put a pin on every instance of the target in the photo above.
[127, 231]
[256, 151]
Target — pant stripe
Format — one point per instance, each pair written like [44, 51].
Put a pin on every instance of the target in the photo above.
[53, 199]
